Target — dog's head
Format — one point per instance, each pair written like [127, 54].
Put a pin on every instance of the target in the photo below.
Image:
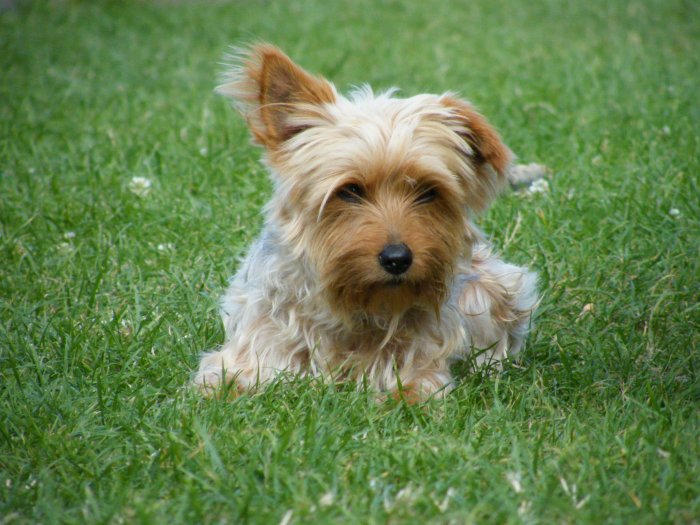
[375, 192]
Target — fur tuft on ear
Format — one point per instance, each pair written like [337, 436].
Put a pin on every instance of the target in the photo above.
[275, 95]
[490, 157]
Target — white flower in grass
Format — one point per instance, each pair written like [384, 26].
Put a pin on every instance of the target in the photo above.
[203, 151]
[666, 130]
[140, 186]
[538, 186]
[65, 247]
[514, 478]
[327, 499]
[166, 247]
[674, 212]
[69, 235]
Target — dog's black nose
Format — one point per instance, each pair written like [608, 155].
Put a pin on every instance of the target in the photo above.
[396, 258]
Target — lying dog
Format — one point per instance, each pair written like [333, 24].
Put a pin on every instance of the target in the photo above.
[369, 267]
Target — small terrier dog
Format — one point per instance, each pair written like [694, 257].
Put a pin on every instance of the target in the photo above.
[369, 267]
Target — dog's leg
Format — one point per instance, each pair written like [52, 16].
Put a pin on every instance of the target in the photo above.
[244, 367]
[496, 300]
[263, 324]
[255, 353]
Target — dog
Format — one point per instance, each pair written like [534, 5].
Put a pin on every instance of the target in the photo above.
[369, 267]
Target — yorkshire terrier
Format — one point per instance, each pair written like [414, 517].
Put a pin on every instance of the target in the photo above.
[369, 267]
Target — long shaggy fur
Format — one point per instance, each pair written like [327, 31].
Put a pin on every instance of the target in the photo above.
[353, 176]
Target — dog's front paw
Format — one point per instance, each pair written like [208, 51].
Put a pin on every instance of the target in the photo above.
[220, 373]
[217, 382]
[433, 386]
[208, 382]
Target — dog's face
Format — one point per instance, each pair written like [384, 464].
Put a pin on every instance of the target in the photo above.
[374, 191]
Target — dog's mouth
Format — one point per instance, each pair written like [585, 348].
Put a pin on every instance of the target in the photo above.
[391, 295]
[394, 282]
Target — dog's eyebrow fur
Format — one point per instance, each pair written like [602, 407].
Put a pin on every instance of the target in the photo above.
[327, 197]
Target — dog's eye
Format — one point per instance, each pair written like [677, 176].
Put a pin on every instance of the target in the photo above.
[351, 193]
[426, 196]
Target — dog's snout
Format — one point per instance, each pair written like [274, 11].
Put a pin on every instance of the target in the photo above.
[396, 258]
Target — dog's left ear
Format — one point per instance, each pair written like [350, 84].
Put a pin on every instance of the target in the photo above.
[489, 157]
[277, 97]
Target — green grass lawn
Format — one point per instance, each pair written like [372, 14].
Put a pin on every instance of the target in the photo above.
[107, 297]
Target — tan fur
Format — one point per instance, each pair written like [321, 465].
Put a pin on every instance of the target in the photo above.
[312, 296]
[269, 88]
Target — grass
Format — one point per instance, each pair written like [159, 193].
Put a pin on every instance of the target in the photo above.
[106, 298]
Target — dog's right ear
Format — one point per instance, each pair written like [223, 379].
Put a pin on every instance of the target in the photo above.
[278, 98]
[487, 153]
